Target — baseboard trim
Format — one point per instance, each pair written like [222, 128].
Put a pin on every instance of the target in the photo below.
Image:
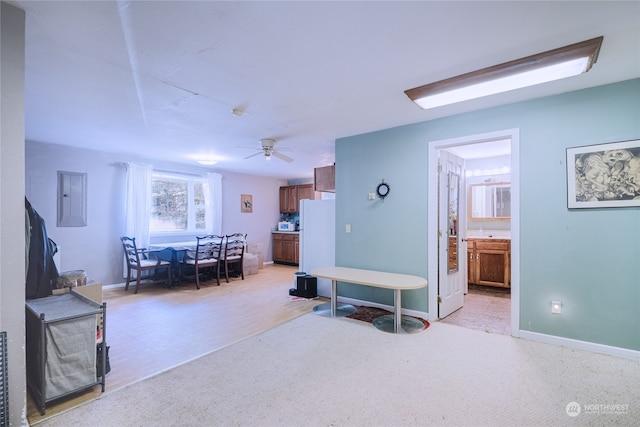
[532, 336]
[581, 345]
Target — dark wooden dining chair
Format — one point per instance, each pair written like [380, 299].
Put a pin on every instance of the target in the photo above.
[138, 259]
[234, 254]
[205, 259]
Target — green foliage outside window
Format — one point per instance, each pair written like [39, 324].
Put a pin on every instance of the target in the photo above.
[177, 204]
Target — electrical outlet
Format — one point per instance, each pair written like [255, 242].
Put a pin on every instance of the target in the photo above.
[556, 307]
[347, 228]
[372, 196]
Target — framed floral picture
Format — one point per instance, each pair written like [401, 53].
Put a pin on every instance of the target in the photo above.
[604, 176]
[246, 203]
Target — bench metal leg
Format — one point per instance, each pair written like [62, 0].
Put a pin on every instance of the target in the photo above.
[333, 308]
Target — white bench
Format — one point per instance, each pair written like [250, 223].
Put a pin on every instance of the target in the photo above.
[379, 279]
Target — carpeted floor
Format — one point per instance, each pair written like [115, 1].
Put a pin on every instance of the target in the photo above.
[319, 371]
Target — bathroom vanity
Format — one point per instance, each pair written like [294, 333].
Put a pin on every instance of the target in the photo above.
[489, 261]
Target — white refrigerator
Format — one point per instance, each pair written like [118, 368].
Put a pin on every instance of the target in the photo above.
[317, 238]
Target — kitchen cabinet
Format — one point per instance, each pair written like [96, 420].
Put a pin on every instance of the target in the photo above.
[289, 199]
[286, 248]
[291, 195]
[324, 179]
[489, 262]
[306, 192]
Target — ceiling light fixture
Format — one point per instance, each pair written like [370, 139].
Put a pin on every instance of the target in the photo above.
[208, 162]
[535, 69]
[237, 112]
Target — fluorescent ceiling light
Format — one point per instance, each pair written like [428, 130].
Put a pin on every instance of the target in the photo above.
[535, 69]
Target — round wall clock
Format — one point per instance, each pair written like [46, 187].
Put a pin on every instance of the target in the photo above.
[383, 190]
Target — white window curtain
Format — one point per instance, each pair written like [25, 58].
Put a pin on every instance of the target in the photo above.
[138, 202]
[213, 211]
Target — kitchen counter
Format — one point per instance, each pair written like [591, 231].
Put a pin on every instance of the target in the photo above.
[489, 237]
[489, 234]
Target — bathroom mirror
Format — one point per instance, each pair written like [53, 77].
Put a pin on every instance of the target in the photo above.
[453, 203]
[490, 200]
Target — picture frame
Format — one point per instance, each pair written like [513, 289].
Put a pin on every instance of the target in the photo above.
[604, 175]
[246, 203]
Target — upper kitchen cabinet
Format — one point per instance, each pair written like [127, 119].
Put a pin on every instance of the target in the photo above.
[289, 199]
[324, 179]
[306, 192]
[291, 195]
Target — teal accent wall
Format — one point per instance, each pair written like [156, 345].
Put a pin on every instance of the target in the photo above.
[589, 259]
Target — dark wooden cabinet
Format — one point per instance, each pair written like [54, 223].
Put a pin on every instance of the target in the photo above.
[289, 199]
[324, 179]
[291, 195]
[286, 248]
[489, 262]
[306, 192]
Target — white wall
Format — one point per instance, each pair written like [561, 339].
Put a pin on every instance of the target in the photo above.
[12, 218]
[266, 208]
[96, 248]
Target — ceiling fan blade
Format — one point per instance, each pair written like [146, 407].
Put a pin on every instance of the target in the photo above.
[253, 155]
[282, 157]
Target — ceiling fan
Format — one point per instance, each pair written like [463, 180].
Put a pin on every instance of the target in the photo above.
[268, 148]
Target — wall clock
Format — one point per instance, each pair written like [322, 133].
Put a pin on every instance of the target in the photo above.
[383, 190]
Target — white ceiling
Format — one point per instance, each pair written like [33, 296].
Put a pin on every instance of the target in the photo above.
[482, 150]
[160, 79]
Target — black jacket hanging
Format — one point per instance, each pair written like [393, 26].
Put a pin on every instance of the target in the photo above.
[41, 270]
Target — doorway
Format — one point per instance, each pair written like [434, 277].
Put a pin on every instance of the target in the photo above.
[486, 309]
[478, 298]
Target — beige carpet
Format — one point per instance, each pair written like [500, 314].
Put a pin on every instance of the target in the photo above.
[319, 371]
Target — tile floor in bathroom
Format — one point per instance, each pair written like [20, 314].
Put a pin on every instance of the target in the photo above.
[485, 308]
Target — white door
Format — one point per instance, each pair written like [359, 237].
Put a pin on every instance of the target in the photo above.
[452, 251]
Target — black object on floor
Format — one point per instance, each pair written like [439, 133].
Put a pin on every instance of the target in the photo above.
[306, 287]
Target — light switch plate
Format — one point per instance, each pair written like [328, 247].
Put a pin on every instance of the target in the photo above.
[556, 307]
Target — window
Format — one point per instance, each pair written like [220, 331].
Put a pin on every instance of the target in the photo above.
[178, 203]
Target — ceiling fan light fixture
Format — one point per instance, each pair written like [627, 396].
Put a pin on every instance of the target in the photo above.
[543, 67]
[268, 148]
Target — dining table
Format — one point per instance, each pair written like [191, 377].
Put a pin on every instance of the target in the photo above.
[172, 252]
